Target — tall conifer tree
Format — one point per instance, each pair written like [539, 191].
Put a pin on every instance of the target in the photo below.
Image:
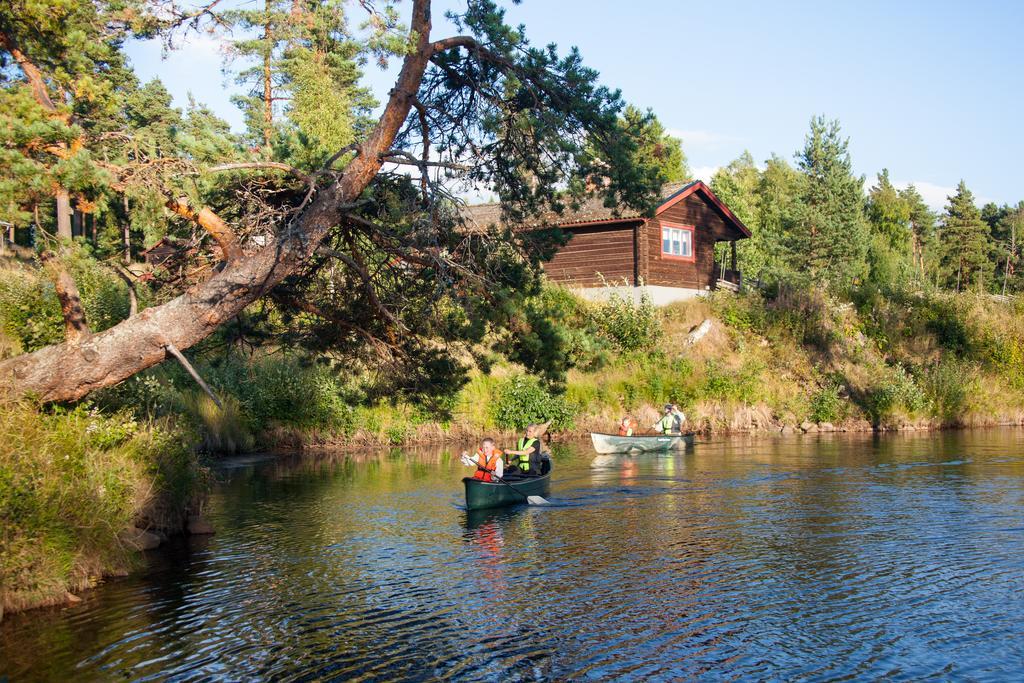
[965, 241]
[826, 237]
[922, 231]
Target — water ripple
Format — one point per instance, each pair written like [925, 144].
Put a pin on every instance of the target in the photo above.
[825, 560]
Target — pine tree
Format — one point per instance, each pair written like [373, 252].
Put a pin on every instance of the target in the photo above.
[827, 235]
[965, 241]
[302, 69]
[327, 108]
[736, 185]
[888, 213]
[922, 230]
[265, 30]
[889, 252]
[69, 73]
[655, 146]
[1007, 238]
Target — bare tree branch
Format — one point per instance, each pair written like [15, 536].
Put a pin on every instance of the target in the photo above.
[212, 223]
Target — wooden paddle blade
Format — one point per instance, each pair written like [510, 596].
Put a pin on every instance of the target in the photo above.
[537, 500]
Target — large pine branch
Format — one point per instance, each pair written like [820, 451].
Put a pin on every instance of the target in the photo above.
[70, 371]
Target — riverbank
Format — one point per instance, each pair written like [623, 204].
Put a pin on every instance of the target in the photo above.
[795, 362]
[80, 494]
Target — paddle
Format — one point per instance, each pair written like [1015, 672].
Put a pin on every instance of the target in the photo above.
[531, 500]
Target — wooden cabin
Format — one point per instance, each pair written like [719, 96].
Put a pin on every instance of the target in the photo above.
[670, 256]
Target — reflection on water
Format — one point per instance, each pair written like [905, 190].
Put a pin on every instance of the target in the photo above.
[844, 556]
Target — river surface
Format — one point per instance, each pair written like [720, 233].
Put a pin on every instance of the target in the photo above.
[833, 557]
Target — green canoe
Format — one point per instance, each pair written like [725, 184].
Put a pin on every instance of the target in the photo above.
[481, 495]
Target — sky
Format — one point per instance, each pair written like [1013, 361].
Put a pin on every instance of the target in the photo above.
[933, 91]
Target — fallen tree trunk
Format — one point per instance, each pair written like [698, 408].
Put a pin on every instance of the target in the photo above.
[70, 371]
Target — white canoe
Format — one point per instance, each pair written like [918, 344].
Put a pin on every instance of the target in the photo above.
[613, 443]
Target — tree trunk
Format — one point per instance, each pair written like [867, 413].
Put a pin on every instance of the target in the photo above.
[63, 214]
[76, 328]
[127, 234]
[268, 92]
[1009, 254]
[67, 372]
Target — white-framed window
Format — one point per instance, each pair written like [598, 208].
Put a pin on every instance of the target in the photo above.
[677, 242]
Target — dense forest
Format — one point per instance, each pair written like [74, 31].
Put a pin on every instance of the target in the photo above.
[316, 269]
[815, 223]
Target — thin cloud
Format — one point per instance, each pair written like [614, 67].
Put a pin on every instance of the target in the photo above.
[704, 172]
[937, 196]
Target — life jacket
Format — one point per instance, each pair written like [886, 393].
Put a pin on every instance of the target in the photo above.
[670, 423]
[523, 461]
[627, 430]
[484, 465]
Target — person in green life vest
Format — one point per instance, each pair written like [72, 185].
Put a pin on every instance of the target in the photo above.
[526, 459]
[671, 422]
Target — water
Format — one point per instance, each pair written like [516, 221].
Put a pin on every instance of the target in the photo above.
[795, 558]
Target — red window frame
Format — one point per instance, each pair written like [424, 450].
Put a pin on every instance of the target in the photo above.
[693, 243]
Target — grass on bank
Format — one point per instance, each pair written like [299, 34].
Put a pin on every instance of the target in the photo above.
[70, 482]
[779, 358]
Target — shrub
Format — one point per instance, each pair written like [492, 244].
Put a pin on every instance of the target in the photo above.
[284, 390]
[30, 312]
[150, 394]
[224, 429]
[722, 384]
[739, 311]
[947, 320]
[949, 386]
[628, 325]
[522, 400]
[826, 405]
[896, 390]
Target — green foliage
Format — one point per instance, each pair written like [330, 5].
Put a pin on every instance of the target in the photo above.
[947, 320]
[257, 393]
[655, 147]
[895, 390]
[949, 386]
[966, 242]
[627, 325]
[826, 404]
[224, 429]
[70, 481]
[889, 217]
[730, 385]
[522, 400]
[30, 312]
[283, 390]
[826, 232]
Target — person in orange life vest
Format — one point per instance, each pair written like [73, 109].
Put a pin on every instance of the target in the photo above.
[627, 426]
[487, 460]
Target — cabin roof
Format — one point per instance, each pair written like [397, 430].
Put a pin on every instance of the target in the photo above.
[481, 216]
